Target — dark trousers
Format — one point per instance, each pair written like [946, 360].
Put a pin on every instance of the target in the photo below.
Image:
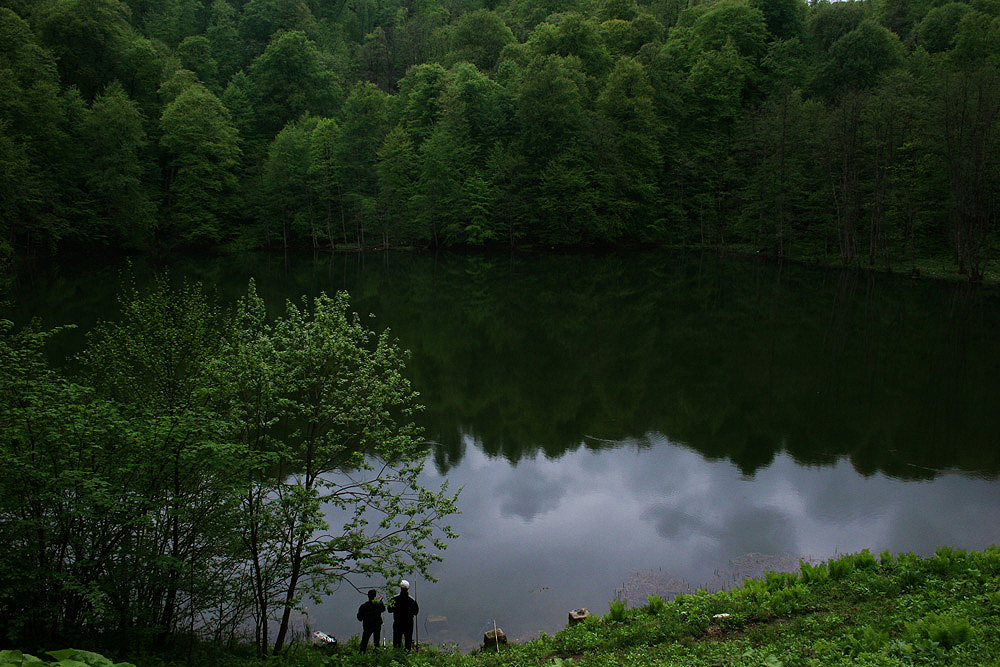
[372, 631]
[401, 632]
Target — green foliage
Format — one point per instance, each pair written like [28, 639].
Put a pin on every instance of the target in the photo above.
[202, 142]
[812, 574]
[602, 126]
[65, 658]
[654, 604]
[196, 463]
[617, 611]
[948, 631]
[840, 568]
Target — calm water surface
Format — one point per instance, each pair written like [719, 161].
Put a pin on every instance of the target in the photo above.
[649, 423]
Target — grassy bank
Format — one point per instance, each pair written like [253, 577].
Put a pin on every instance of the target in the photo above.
[860, 610]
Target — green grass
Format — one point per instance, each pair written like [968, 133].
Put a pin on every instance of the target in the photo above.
[856, 610]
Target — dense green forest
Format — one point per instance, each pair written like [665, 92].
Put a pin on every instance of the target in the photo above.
[861, 131]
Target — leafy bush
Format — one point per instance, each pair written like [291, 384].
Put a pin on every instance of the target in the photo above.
[812, 574]
[867, 640]
[948, 631]
[776, 581]
[863, 560]
[841, 567]
[617, 613]
[69, 657]
[947, 560]
[655, 604]
[789, 600]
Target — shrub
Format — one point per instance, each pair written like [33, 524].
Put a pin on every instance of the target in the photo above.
[863, 560]
[776, 581]
[948, 631]
[789, 600]
[617, 613]
[867, 640]
[69, 657]
[947, 560]
[655, 604]
[812, 574]
[841, 567]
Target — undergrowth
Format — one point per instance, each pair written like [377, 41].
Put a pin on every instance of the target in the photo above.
[856, 610]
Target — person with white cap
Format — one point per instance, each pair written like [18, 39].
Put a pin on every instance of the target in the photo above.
[404, 609]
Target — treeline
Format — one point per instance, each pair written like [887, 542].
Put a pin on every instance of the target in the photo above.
[858, 130]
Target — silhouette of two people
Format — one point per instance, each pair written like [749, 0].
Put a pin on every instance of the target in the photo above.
[404, 609]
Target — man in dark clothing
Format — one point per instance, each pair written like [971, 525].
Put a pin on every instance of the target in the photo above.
[403, 608]
[370, 615]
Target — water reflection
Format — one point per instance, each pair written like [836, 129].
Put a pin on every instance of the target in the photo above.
[546, 536]
[661, 413]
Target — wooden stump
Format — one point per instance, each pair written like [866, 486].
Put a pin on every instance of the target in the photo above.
[578, 615]
[493, 638]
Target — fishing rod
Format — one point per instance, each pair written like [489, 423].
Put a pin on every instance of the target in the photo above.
[416, 625]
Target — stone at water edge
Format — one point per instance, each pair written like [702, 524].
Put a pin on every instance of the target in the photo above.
[578, 615]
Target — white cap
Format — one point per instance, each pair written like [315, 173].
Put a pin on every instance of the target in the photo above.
[404, 584]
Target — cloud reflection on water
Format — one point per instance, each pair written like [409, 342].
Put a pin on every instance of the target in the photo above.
[549, 535]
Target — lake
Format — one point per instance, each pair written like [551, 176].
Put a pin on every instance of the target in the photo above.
[647, 422]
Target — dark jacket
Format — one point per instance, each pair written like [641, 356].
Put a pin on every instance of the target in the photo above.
[403, 608]
[370, 613]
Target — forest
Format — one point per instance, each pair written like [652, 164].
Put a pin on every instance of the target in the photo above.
[861, 132]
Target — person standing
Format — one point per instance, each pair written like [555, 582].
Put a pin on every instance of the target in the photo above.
[370, 615]
[404, 609]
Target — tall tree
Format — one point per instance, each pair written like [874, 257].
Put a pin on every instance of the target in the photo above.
[327, 175]
[288, 80]
[627, 164]
[363, 130]
[201, 178]
[285, 180]
[397, 173]
[116, 176]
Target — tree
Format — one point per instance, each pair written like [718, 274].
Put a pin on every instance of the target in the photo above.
[858, 59]
[967, 142]
[419, 96]
[629, 156]
[285, 178]
[478, 38]
[204, 156]
[261, 21]
[936, 31]
[288, 80]
[115, 173]
[437, 193]
[64, 494]
[326, 173]
[336, 411]
[785, 18]
[195, 54]
[572, 34]
[552, 128]
[88, 39]
[397, 173]
[186, 486]
[365, 124]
